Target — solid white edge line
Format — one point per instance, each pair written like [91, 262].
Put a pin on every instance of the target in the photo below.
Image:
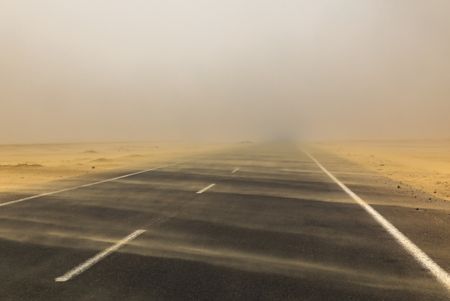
[335, 172]
[74, 188]
[206, 188]
[92, 261]
[439, 273]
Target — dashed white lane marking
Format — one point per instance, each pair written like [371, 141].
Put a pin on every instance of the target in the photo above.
[90, 262]
[235, 170]
[439, 273]
[76, 187]
[206, 188]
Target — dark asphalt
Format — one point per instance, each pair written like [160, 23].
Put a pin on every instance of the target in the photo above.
[278, 229]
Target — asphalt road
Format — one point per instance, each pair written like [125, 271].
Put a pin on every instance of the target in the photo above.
[273, 227]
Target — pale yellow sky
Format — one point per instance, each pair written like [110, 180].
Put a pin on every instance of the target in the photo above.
[115, 70]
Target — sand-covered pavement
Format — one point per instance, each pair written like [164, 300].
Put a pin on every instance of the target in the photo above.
[274, 226]
[424, 165]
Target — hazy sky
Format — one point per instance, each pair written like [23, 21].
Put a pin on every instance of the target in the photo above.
[235, 69]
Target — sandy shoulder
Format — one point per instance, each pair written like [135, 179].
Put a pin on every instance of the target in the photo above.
[23, 166]
[421, 164]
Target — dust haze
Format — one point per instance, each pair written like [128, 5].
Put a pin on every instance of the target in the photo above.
[223, 70]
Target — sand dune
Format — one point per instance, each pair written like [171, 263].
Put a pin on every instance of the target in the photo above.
[422, 164]
[26, 165]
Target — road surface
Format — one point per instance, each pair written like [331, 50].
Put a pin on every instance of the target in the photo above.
[259, 222]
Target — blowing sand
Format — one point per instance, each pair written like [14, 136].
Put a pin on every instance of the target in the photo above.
[22, 166]
[421, 164]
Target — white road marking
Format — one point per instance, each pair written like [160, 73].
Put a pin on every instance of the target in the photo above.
[439, 273]
[235, 170]
[90, 262]
[336, 172]
[74, 188]
[206, 188]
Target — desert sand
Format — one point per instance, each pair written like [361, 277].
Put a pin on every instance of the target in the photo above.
[424, 165]
[27, 165]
